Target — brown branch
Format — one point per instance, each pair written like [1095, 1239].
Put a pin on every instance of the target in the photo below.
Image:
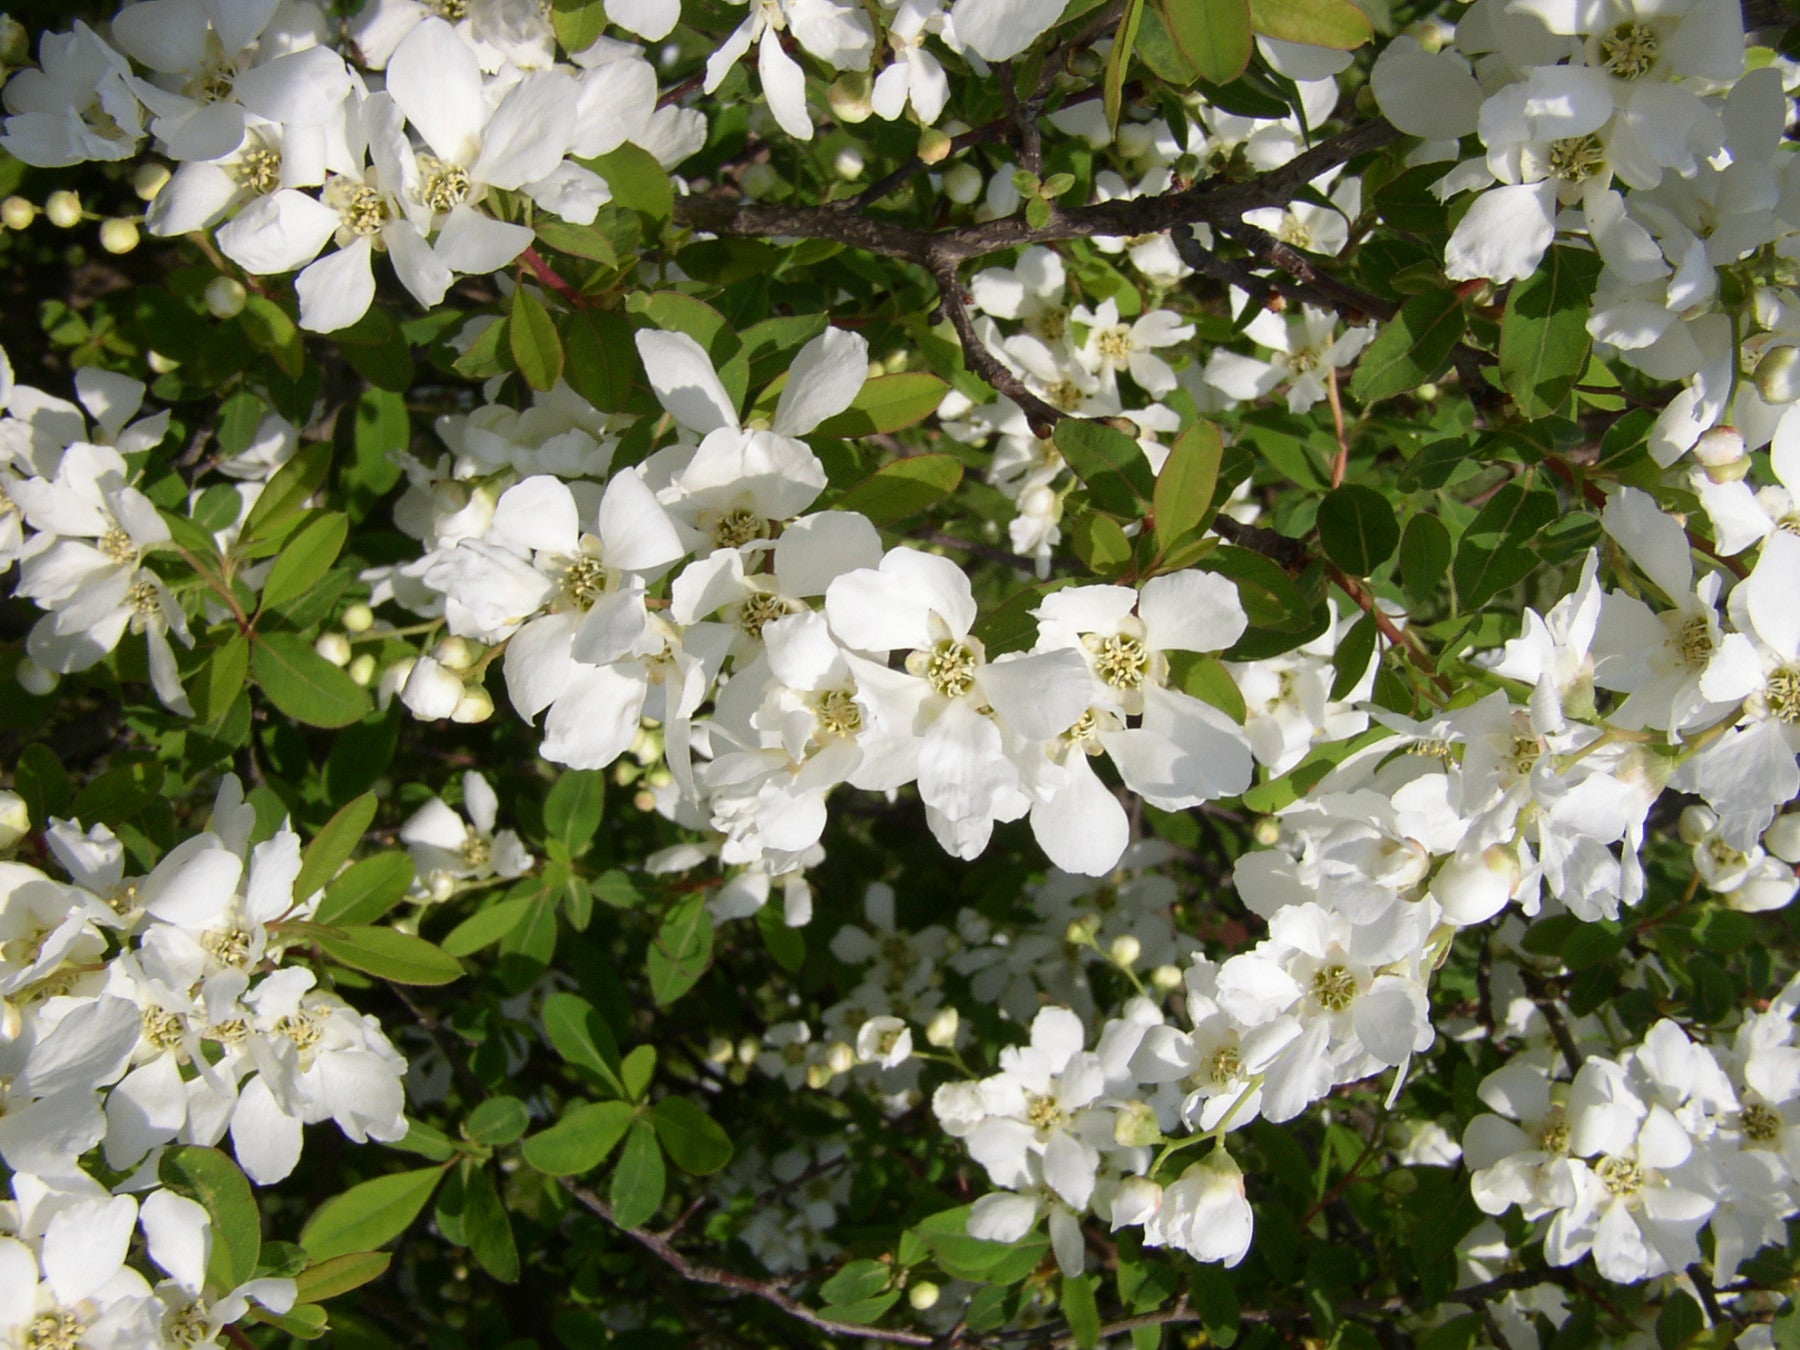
[659, 1246]
[1042, 417]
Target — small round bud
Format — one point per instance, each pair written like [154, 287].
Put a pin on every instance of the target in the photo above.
[362, 670]
[759, 180]
[431, 692]
[63, 209]
[1400, 1184]
[719, 1051]
[149, 181]
[1778, 375]
[225, 297]
[818, 1076]
[1080, 932]
[118, 235]
[1165, 979]
[476, 705]
[15, 819]
[934, 146]
[1038, 501]
[923, 1296]
[17, 214]
[1473, 889]
[1719, 447]
[359, 618]
[15, 42]
[161, 364]
[1267, 831]
[848, 164]
[1125, 950]
[334, 647]
[963, 183]
[1733, 472]
[1427, 393]
[1135, 1126]
[748, 1050]
[441, 886]
[942, 1028]
[849, 97]
[1783, 837]
[1695, 824]
[35, 679]
[841, 1057]
[454, 653]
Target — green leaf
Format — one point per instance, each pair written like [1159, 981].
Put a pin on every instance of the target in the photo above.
[303, 684]
[1101, 544]
[864, 1310]
[1424, 556]
[639, 1179]
[1215, 1299]
[1544, 341]
[369, 1214]
[1357, 528]
[691, 1138]
[581, 1140]
[904, 488]
[497, 1121]
[636, 1069]
[220, 682]
[270, 329]
[487, 926]
[637, 181]
[578, 23]
[390, 955]
[304, 1321]
[600, 360]
[1118, 61]
[582, 1037]
[306, 556]
[1492, 554]
[1110, 463]
[1679, 1321]
[888, 403]
[1351, 659]
[286, 494]
[1184, 488]
[573, 809]
[1079, 1307]
[485, 1225]
[211, 1178]
[368, 890]
[536, 345]
[1413, 348]
[682, 950]
[858, 1280]
[1337, 24]
[332, 846]
[1213, 36]
[339, 1275]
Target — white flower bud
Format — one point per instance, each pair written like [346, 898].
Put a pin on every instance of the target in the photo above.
[16, 213]
[934, 145]
[941, 1029]
[748, 1050]
[1165, 979]
[34, 679]
[334, 647]
[63, 209]
[1266, 831]
[1720, 447]
[1134, 1126]
[149, 181]
[476, 705]
[848, 164]
[359, 618]
[1080, 932]
[1778, 375]
[225, 297]
[454, 653]
[719, 1051]
[923, 1296]
[1783, 837]
[850, 97]
[431, 692]
[15, 819]
[1135, 1202]
[118, 235]
[1039, 501]
[963, 183]
[441, 885]
[160, 364]
[840, 1057]
[1696, 823]
[1473, 889]
[817, 1076]
[1125, 950]
[1769, 886]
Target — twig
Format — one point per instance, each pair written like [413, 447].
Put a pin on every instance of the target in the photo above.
[1341, 464]
[1041, 416]
[547, 274]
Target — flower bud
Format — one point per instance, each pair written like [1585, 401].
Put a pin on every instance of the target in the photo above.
[160, 364]
[431, 691]
[934, 146]
[476, 705]
[1696, 823]
[942, 1028]
[454, 653]
[1266, 831]
[225, 297]
[1768, 887]
[1125, 950]
[1778, 375]
[334, 647]
[1719, 448]
[759, 180]
[149, 181]
[441, 886]
[15, 819]
[1473, 889]
[963, 183]
[1038, 500]
[1783, 837]
[848, 164]
[15, 42]
[118, 235]
[16, 213]
[359, 618]
[719, 1051]
[923, 1296]
[1080, 932]
[1165, 979]
[849, 97]
[1134, 1126]
[748, 1049]
[817, 1076]
[1135, 1202]
[35, 679]
[840, 1058]
[63, 209]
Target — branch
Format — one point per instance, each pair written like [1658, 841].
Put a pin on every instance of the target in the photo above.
[1041, 415]
[659, 1246]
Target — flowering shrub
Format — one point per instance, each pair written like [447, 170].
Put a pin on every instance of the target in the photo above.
[971, 675]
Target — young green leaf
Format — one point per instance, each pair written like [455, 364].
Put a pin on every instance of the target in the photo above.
[303, 684]
[1413, 348]
[536, 345]
[581, 1140]
[691, 1138]
[390, 955]
[369, 1214]
[639, 1178]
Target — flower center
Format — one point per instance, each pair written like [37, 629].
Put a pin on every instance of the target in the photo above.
[1225, 1065]
[477, 852]
[230, 946]
[584, 582]
[142, 598]
[1066, 395]
[1044, 1113]
[1524, 754]
[949, 669]
[162, 1028]
[1051, 322]
[1554, 1137]
[1694, 643]
[301, 1028]
[1761, 1124]
[1119, 660]
[759, 611]
[1114, 344]
[737, 528]
[259, 169]
[58, 1329]
[445, 186]
[228, 1032]
[1293, 233]
[453, 10]
[1575, 159]
[837, 713]
[186, 1325]
[117, 546]
[363, 210]
[1783, 695]
[1629, 51]
[1334, 988]
[1620, 1176]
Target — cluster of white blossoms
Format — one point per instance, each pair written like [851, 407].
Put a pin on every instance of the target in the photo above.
[144, 1011]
